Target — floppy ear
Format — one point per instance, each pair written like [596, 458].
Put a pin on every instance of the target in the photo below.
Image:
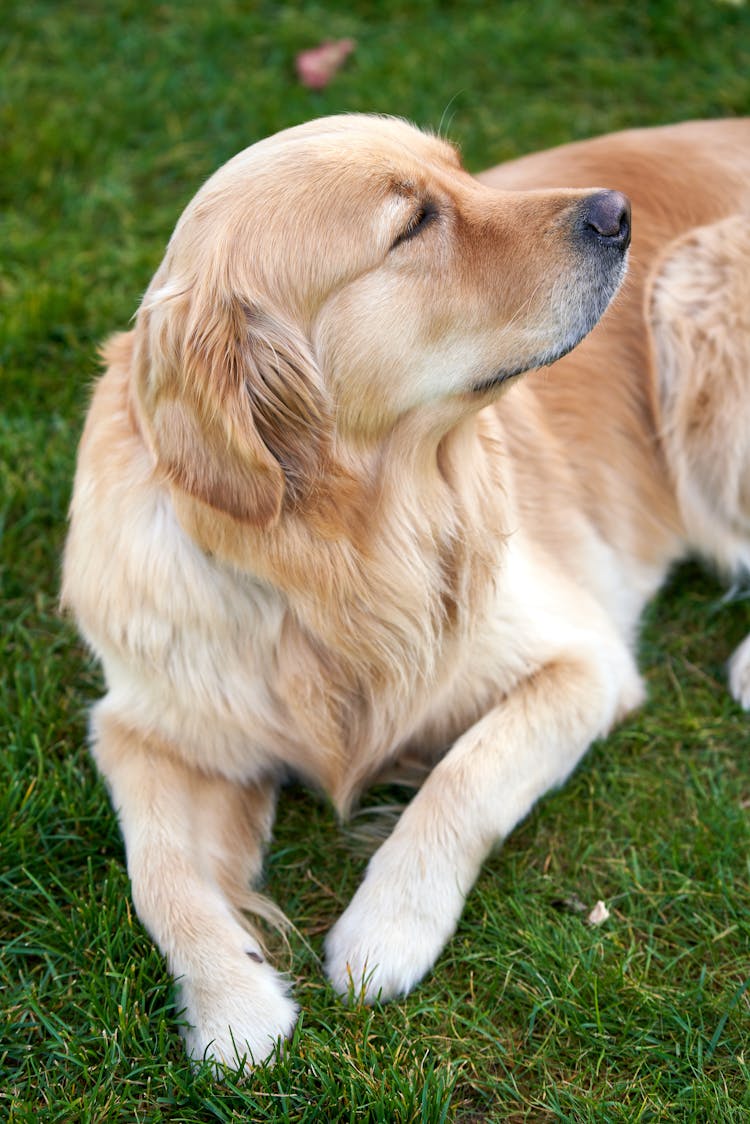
[232, 399]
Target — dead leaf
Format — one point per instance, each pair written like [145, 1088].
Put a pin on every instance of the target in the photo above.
[598, 915]
[316, 67]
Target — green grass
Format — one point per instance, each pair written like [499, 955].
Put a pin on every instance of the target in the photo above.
[111, 116]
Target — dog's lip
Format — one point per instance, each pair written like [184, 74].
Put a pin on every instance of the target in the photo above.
[502, 376]
[498, 379]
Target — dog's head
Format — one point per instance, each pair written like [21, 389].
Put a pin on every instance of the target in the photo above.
[341, 275]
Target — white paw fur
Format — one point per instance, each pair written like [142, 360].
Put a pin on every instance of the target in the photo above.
[739, 674]
[240, 1014]
[393, 930]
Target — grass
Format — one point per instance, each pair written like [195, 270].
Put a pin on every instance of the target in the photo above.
[111, 116]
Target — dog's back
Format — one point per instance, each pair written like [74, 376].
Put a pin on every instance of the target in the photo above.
[614, 406]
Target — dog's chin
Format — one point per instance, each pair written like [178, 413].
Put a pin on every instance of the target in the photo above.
[600, 300]
[502, 377]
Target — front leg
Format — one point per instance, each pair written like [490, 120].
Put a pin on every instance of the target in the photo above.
[413, 892]
[193, 842]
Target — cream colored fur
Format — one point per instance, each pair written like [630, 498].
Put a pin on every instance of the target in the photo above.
[310, 534]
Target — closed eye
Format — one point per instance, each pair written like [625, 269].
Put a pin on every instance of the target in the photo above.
[426, 214]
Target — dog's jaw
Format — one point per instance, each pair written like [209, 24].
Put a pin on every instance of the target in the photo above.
[598, 299]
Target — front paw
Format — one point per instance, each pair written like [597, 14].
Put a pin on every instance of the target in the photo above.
[237, 1019]
[389, 937]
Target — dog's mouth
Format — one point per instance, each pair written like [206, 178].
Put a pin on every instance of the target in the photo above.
[601, 286]
[501, 377]
[494, 382]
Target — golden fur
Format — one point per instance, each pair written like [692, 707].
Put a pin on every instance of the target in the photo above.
[311, 531]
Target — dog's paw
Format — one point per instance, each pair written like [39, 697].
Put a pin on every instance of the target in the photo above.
[739, 674]
[389, 937]
[237, 1021]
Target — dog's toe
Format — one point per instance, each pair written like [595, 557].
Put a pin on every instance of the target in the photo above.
[371, 967]
[237, 1021]
[388, 938]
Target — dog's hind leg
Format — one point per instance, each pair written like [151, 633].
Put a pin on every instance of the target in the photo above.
[699, 315]
[739, 674]
[193, 841]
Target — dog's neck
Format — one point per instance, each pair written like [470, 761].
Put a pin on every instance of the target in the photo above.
[378, 602]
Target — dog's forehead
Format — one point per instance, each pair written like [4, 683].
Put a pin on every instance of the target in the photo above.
[369, 137]
[344, 149]
[332, 180]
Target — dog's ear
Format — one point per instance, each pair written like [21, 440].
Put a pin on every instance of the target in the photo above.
[232, 401]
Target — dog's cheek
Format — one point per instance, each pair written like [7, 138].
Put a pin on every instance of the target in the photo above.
[388, 346]
[363, 342]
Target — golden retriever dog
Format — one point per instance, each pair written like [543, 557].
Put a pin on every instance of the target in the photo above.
[320, 522]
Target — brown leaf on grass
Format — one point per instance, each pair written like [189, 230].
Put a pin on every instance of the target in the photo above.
[316, 67]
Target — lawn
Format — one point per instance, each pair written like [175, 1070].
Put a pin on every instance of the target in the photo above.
[111, 116]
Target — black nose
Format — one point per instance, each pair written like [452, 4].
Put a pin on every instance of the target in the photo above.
[606, 216]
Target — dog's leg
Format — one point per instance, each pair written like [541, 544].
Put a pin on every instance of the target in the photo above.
[739, 674]
[699, 315]
[412, 895]
[190, 846]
